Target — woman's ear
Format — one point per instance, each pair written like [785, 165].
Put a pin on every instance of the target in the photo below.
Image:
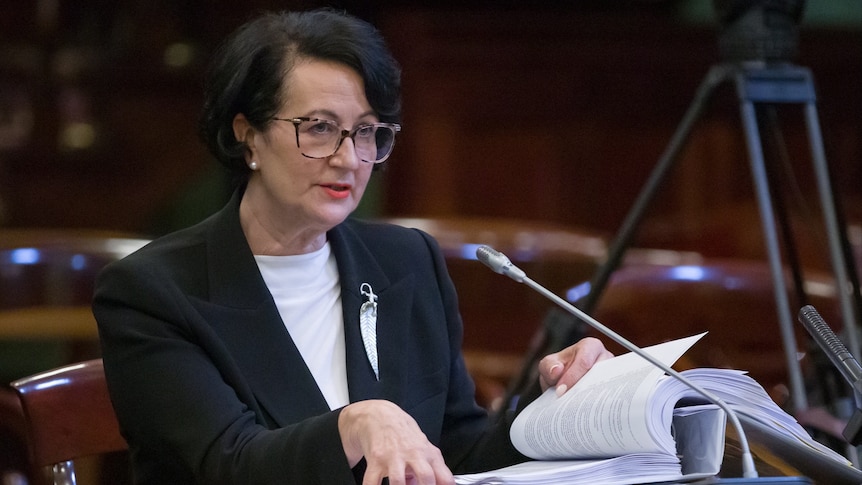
[244, 133]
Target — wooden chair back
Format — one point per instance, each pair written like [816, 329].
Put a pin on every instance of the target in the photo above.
[732, 299]
[14, 465]
[68, 416]
[41, 267]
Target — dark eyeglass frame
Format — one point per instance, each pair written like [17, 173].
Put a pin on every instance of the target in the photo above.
[395, 127]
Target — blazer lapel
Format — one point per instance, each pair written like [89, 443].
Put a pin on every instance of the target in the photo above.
[244, 314]
[241, 310]
[357, 265]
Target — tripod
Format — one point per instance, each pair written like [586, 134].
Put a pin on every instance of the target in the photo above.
[757, 83]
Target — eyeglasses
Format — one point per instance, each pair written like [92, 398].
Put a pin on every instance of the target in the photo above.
[318, 138]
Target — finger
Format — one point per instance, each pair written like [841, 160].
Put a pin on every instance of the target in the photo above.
[430, 469]
[551, 368]
[395, 478]
[372, 477]
[379, 471]
[567, 366]
[441, 472]
[582, 362]
[421, 473]
[387, 472]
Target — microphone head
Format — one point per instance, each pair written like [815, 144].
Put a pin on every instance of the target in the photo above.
[817, 327]
[499, 263]
[807, 311]
[491, 258]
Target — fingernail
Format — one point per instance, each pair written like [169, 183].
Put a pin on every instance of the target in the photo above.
[561, 389]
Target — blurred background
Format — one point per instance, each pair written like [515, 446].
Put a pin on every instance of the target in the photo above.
[531, 126]
[542, 110]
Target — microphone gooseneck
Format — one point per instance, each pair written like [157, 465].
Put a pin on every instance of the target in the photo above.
[499, 263]
[841, 359]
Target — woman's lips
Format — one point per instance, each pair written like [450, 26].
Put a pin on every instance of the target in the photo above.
[337, 191]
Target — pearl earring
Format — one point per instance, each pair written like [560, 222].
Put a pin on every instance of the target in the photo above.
[252, 165]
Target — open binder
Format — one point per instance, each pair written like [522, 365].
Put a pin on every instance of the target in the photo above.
[625, 422]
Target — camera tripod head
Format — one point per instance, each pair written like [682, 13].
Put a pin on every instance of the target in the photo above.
[758, 30]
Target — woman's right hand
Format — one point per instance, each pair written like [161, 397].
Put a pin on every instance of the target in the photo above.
[392, 444]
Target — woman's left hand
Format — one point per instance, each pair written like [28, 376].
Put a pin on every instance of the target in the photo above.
[566, 367]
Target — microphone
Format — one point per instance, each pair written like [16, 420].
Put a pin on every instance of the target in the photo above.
[499, 263]
[841, 359]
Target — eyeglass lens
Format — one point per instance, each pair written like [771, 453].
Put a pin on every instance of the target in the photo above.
[322, 138]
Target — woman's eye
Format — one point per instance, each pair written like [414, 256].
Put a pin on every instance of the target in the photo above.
[365, 131]
[321, 128]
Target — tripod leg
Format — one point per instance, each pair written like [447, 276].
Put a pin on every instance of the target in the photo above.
[834, 230]
[716, 75]
[774, 138]
[767, 217]
[836, 233]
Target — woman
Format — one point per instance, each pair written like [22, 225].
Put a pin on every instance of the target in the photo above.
[279, 341]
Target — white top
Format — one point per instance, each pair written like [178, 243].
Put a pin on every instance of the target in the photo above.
[307, 292]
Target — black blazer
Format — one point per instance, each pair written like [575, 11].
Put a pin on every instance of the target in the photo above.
[209, 387]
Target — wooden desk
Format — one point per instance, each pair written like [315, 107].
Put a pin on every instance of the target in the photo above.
[48, 322]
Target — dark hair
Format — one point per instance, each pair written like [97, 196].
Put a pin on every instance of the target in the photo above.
[248, 70]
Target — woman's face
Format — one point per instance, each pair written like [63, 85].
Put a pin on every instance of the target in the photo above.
[290, 194]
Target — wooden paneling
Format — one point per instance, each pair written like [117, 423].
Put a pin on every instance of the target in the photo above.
[561, 116]
[554, 113]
